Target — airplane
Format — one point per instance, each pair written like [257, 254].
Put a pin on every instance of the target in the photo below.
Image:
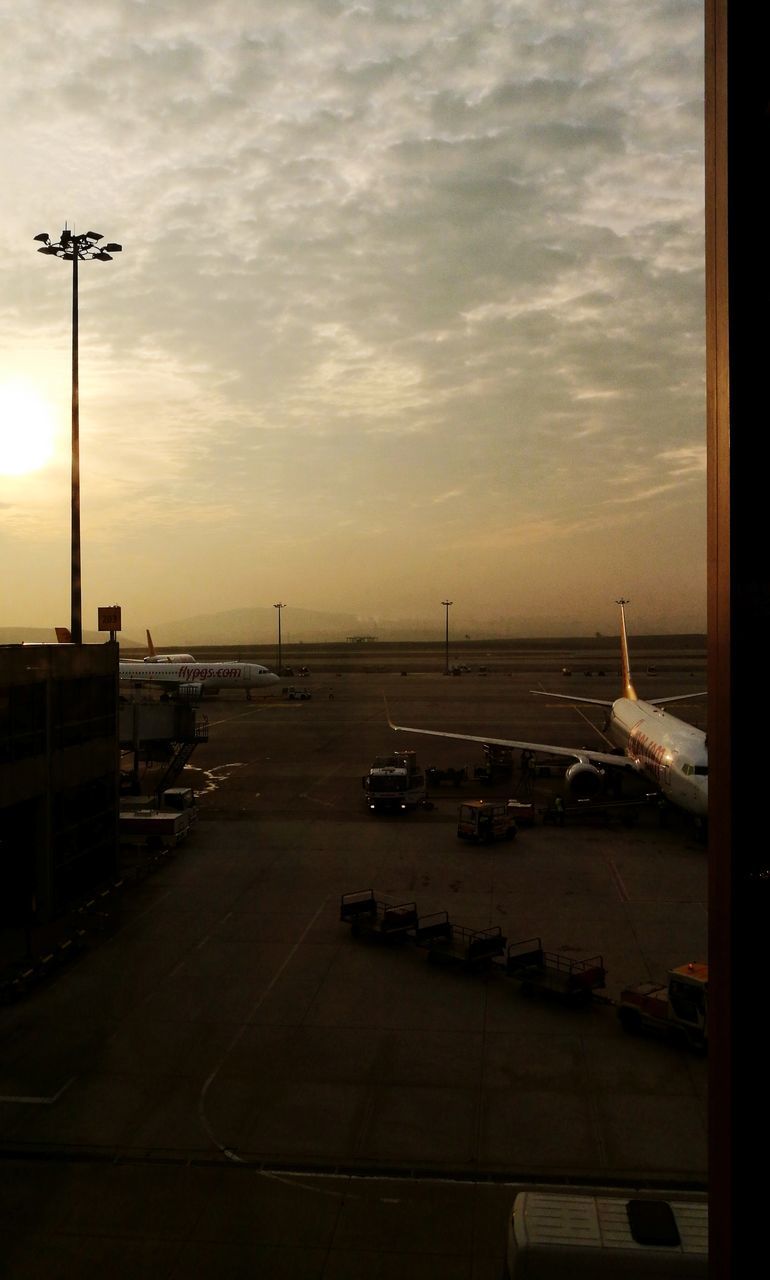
[648, 740]
[152, 656]
[193, 679]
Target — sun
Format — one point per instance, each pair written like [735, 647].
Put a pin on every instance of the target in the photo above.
[27, 430]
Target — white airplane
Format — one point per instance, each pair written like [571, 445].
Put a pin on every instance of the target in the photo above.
[152, 656]
[192, 679]
[650, 741]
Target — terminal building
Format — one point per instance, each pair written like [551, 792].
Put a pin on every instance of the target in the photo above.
[59, 778]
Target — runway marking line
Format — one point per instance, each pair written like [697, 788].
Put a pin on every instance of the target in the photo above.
[39, 1101]
[226, 1151]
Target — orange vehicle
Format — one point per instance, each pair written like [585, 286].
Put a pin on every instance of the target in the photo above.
[484, 821]
[678, 1006]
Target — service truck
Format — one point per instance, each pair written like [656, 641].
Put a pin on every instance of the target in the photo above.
[154, 828]
[396, 782]
[677, 1007]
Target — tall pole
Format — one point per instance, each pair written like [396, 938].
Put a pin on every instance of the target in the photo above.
[446, 604]
[76, 623]
[76, 247]
[279, 607]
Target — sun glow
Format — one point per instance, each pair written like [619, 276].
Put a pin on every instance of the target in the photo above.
[27, 430]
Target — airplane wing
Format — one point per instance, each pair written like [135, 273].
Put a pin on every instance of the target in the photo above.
[577, 753]
[568, 697]
[678, 697]
[601, 702]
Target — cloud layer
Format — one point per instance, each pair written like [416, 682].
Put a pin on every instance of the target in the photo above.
[411, 301]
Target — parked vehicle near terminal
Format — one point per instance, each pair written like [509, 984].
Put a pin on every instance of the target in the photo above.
[181, 799]
[483, 821]
[396, 782]
[294, 694]
[155, 828]
[565, 1234]
[678, 1007]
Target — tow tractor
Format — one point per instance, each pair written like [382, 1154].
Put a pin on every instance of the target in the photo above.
[678, 1006]
[483, 821]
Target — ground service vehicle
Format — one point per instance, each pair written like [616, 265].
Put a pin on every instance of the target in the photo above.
[182, 799]
[155, 828]
[498, 764]
[435, 776]
[599, 811]
[552, 973]
[293, 693]
[523, 811]
[560, 1234]
[447, 942]
[396, 782]
[372, 917]
[678, 1006]
[483, 821]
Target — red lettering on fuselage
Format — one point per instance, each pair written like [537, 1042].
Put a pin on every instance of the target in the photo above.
[199, 672]
[651, 754]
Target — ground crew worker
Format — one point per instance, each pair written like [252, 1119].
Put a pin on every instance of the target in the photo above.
[558, 805]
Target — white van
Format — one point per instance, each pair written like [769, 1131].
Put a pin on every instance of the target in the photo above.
[565, 1235]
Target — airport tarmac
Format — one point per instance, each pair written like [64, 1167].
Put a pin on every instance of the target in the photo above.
[227, 1082]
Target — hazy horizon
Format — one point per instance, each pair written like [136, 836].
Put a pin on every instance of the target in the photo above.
[410, 308]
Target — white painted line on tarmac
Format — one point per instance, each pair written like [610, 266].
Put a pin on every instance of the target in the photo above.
[38, 1101]
[226, 1151]
[623, 893]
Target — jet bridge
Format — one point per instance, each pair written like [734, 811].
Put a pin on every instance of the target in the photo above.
[161, 732]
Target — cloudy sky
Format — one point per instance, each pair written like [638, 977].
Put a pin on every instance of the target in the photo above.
[410, 307]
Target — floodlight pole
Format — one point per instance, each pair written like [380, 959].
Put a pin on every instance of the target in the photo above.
[75, 247]
[279, 607]
[446, 604]
[76, 624]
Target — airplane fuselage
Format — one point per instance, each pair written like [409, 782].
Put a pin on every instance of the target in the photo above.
[667, 750]
[208, 676]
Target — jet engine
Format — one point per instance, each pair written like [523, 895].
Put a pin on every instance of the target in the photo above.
[584, 780]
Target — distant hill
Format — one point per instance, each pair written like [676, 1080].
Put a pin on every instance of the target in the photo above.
[259, 626]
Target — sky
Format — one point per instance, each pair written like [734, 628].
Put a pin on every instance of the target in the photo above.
[410, 308]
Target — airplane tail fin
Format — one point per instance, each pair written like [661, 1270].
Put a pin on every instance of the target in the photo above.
[150, 646]
[63, 635]
[628, 689]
